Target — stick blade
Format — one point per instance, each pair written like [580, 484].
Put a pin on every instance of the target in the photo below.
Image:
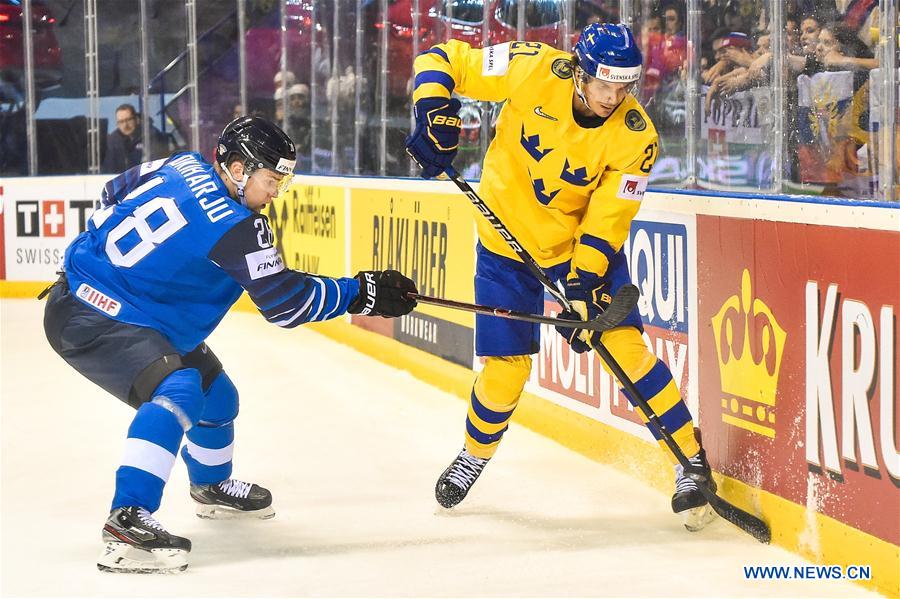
[623, 302]
[747, 522]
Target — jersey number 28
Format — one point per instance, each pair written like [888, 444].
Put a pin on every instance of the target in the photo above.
[149, 237]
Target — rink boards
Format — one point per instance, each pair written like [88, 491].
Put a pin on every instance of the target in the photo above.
[778, 319]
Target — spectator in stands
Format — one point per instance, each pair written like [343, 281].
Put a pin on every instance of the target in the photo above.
[810, 27]
[652, 46]
[792, 29]
[125, 145]
[674, 24]
[737, 51]
[297, 125]
[732, 49]
[122, 151]
[861, 17]
[342, 89]
[833, 117]
[800, 47]
[299, 118]
[653, 26]
[840, 49]
[289, 80]
[663, 88]
[675, 42]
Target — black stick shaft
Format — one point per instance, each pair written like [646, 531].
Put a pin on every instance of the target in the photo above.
[500, 312]
[520, 251]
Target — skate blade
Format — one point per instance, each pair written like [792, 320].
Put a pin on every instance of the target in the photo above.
[125, 558]
[696, 519]
[221, 512]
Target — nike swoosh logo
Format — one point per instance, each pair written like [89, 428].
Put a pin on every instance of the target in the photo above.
[540, 112]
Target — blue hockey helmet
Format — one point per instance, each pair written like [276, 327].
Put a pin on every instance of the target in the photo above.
[609, 52]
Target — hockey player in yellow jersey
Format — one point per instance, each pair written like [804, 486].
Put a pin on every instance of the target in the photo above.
[565, 172]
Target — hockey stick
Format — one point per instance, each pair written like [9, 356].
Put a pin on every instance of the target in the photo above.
[728, 511]
[621, 304]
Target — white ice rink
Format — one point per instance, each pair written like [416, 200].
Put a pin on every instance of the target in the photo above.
[351, 450]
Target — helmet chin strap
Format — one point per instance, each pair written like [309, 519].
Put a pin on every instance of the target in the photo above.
[238, 184]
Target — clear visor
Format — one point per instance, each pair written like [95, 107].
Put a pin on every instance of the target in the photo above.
[284, 184]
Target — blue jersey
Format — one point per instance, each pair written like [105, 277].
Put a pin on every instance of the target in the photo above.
[169, 249]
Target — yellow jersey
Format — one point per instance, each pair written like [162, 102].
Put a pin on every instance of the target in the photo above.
[565, 190]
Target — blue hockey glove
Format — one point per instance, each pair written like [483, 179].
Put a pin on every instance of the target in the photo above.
[435, 140]
[590, 295]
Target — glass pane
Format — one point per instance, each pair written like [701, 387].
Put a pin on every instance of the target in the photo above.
[734, 150]
[322, 12]
[170, 105]
[292, 95]
[60, 90]
[120, 89]
[504, 20]
[367, 125]
[119, 53]
[341, 91]
[586, 12]
[48, 60]
[262, 42]
[218, 77]
[830, 79]
[462, 20]
[662, 35]
[394, 70]
[544, 20]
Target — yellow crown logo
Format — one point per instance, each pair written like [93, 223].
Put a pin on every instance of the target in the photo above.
[749, 345]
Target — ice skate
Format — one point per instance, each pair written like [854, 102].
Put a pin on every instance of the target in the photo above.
[134, 542]
[232, 499]
[688, 501]
[458, 478]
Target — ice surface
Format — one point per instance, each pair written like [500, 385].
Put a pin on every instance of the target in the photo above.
[351, 450]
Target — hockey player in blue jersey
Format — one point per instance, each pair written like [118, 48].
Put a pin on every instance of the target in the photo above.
[173, 245]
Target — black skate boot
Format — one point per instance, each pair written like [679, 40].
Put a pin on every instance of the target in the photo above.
[232, 499]
[134, 542]
[688, 501]
[458, 478]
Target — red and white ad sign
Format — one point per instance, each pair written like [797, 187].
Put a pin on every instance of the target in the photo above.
[41, 215]
[798, 345]
[660, 252]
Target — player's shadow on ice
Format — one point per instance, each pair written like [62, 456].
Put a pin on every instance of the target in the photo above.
[560, 532]
[248, 541]
[217, 543]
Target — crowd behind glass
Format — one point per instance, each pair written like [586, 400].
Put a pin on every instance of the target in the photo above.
[790, 96]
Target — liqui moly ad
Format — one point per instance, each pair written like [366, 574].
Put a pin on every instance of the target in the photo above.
[661, 258]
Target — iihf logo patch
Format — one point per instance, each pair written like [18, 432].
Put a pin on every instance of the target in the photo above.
[97, 299]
